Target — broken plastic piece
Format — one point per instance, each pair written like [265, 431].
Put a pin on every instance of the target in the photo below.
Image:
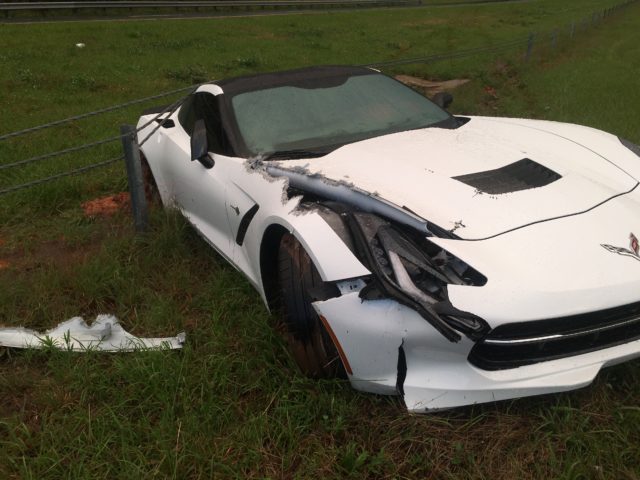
[105, 334]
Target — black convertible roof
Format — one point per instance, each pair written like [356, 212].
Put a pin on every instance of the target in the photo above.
[309, 77]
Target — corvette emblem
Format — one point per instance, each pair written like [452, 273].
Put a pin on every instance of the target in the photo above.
[632, 251]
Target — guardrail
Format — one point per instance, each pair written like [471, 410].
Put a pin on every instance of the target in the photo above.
[24, 6]
[528, 44]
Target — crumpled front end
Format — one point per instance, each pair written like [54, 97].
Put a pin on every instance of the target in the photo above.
[559, 302]
[447, 322]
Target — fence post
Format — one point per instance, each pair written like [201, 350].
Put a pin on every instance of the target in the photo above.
[527, 55]
[554, 39]
[134, 176]
[573, 30]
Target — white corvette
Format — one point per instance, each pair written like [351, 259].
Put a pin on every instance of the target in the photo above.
[450, 260]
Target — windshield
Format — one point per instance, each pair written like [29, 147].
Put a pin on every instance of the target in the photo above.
[286, 118]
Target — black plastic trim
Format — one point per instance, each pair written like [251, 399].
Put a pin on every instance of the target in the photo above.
[525, 343]
[402, 369]
[244, 223]
[307, 77]
[166, 123]
[521, 175]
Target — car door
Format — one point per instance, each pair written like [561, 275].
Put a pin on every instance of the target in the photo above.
[199, 192]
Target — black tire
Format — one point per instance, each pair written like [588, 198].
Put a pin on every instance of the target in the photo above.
[300, 284]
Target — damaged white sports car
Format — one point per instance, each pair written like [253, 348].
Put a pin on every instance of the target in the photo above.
[451, 260]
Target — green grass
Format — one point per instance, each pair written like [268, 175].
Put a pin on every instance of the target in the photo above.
[45, 77]
[232, 404]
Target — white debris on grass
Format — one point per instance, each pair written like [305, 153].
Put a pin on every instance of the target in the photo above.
[104, 334]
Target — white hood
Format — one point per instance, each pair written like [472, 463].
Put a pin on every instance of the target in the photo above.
[415, 170]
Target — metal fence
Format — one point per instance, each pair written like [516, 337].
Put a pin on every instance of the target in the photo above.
[8, 6]
[29, 6]
[527, 45]
[183, 7]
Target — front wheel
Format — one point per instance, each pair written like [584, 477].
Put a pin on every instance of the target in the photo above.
[300, 285]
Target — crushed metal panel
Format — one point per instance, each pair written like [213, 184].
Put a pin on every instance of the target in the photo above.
[340, 192]
[104, 334]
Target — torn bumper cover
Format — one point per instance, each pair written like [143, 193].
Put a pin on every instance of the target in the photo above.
[392, 350]
[105, 334]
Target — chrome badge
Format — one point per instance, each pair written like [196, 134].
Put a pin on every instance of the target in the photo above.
[632, 251]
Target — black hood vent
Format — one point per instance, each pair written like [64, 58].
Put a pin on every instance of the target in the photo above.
[521, 175]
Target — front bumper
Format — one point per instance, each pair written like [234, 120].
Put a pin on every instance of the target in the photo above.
[391, 349]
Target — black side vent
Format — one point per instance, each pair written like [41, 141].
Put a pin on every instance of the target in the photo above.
[521, 175]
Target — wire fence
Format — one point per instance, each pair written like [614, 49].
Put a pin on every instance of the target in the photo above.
[96, 112]
[529, 44]
[68, 173]
[169, 109]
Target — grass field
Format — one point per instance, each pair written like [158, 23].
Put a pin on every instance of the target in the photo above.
[46, 77]
[232, 404]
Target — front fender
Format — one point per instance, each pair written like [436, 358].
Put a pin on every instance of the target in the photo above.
[330, 255]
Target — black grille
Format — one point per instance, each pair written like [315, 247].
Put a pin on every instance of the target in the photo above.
[521, 175]
[517, 344]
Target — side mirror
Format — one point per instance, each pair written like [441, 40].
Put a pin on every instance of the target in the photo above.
[199, 147]
[443, 99]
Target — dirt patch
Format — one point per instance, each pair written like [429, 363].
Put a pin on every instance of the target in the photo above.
[58, 253]
[432, 87]
[106, 206]
[37, 251]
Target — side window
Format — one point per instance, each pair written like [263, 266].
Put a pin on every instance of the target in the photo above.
[206, 107]
[186, 115]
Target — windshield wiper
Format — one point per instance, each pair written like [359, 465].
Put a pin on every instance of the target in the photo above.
[294, 154]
